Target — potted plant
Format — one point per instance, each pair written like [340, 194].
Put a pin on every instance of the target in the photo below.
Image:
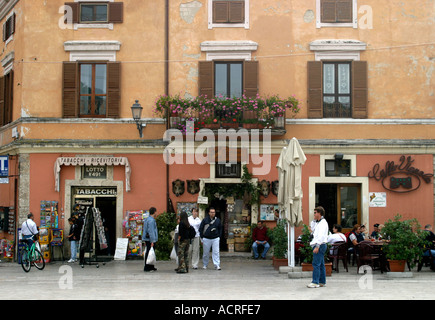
[279, 245]
[405, 242]
[307, 252]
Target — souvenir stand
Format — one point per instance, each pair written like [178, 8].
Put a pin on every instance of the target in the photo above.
[92, 234]
[133, 226]
[49, 218]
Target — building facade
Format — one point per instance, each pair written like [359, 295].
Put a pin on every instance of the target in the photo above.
[361, 71]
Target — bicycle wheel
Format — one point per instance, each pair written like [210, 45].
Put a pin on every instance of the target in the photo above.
[38, 260]
[25, 261]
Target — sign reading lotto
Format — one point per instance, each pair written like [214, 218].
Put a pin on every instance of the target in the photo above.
[401, 177]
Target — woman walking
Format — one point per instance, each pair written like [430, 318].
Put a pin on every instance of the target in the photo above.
[183, 244]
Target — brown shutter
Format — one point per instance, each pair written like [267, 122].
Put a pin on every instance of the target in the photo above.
[344, 11]
[315, 100]
[328, 11]
[113, 89]
[116, 12]
[359, 89]
[75, 6]
[70, 96]
[12, 24]
[250, 78]
[236, 12]
[220, 11]
[205, 79]
[2, 101]
[9, 96]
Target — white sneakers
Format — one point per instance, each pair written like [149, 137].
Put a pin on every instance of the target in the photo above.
[315, 285]
[71, 260]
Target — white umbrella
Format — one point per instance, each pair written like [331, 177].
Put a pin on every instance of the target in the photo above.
[290, 193]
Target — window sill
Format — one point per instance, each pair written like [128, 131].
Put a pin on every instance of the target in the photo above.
[93, 26]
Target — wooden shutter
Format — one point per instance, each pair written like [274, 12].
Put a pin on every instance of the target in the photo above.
[70, 88]
[113, 89]
[2, 101]
[236, 12]
[205, 79]
[75, 6]
[328, 11]
[116, 12]
[359, 89]
[250, 78]
[220, 11]
[315, 99]
[8, 96]
[344, 11]
[11, 21]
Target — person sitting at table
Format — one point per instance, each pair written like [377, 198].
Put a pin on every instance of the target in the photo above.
[336, 235]
[376, 232]
[363, 234]
[431, 239]
[260, 238]
[353, 239]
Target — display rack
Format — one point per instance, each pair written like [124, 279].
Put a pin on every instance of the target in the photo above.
[133, 226]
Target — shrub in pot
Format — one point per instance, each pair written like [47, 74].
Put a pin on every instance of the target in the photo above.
[405, 241]
[280, 244]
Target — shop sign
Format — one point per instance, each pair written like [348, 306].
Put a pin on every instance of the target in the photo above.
[94, 172]
[378, 199]
[4, 166]
[95, 191]
[401, 177]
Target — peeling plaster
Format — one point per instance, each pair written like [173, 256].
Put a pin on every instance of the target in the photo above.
[189, 10]
[25, 113]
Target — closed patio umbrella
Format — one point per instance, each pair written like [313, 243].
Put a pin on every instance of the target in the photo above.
[290, 192]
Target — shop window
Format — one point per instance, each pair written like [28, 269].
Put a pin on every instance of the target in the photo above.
[337, 168]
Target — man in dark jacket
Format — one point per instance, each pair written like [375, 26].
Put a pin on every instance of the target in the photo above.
[210, 232]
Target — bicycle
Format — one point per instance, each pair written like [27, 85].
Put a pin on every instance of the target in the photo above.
[31, 256]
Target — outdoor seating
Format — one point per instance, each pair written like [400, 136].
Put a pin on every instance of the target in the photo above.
[368, 256]
[426, 260]
[338, 252]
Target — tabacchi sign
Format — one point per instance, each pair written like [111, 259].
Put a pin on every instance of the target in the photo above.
[401, 177]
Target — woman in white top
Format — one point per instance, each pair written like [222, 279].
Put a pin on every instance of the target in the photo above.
[337, 236]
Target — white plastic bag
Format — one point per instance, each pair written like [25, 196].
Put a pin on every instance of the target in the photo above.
[174, 255]
[151, 259]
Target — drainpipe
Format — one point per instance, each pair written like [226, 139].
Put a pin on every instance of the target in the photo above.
[168, 207]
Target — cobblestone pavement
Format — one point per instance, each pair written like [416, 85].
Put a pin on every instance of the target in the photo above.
[240, 279]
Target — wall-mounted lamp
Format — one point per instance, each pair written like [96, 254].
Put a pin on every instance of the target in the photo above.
[136, 111]
[338, 156]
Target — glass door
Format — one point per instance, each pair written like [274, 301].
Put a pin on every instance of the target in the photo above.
[349, 200]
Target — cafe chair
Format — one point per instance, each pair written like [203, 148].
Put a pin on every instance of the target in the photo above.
[367, 256]
[338, 252]
[426, 260]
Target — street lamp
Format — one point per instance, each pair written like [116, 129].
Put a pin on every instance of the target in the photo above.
[136, 111]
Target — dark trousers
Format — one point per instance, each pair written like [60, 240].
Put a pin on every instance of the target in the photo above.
[148, 267]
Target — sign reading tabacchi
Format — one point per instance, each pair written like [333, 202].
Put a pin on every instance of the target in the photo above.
[92, 161]
[400, 177]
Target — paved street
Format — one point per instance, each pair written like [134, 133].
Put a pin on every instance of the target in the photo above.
[241, 278]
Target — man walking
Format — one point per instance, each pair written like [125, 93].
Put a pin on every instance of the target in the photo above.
[320, 237]
[195, 222]
[210, 231]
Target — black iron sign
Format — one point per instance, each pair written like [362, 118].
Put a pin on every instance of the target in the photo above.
[401, 177]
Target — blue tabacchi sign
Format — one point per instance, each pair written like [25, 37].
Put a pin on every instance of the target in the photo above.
[4, 166]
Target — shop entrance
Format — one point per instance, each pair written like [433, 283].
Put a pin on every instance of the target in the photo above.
[222, 213]
[342, 203]
[105, 200]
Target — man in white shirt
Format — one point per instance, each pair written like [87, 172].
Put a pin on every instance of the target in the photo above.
[195, 222]
[29, 231]
[320, 231]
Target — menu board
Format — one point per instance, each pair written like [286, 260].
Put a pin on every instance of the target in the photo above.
[121, 248]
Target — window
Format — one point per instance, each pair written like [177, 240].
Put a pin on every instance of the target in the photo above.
[9, 27]
[336, 90]
[6, 98]
[336, 13]
[93, 91]
[229, 13]
[228, 170]
[96, 14]
[337, 168]
[93, 13]
[228, 79]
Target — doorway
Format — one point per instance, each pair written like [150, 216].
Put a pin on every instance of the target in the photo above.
[107, 208]
[221, 213]
[342, 203]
